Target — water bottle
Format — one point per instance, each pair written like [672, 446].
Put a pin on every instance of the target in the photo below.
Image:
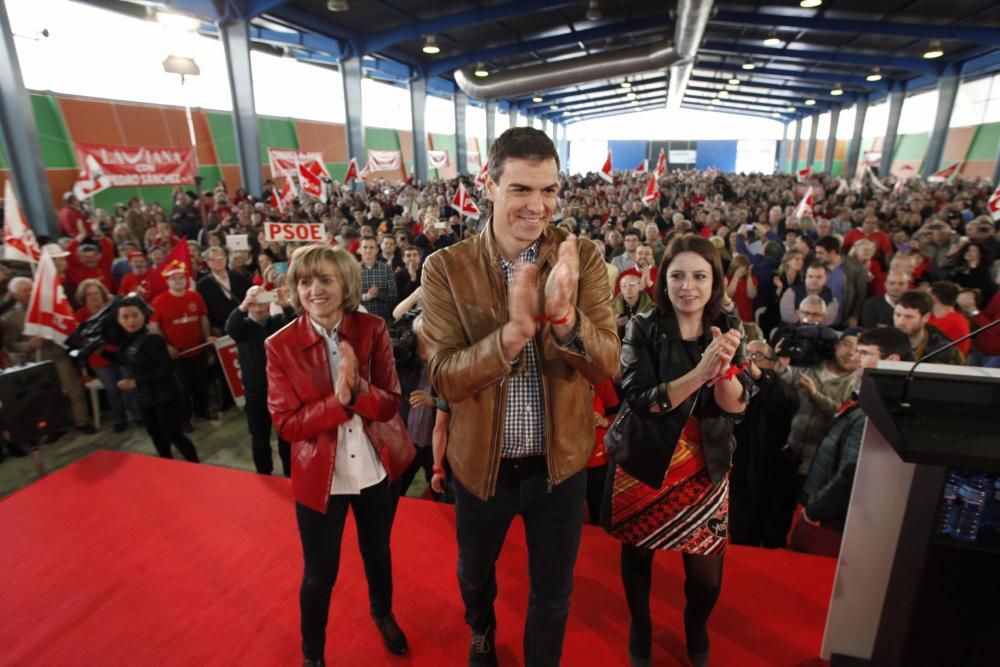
[947, 514]
[972, 493]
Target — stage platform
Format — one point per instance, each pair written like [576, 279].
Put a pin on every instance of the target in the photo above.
[125, 559]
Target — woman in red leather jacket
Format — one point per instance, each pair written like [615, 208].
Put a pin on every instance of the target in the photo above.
[330, 375]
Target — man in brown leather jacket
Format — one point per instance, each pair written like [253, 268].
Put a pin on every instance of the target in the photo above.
[516, 363]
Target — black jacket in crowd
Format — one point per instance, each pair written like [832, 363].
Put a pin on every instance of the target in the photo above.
[145, 354]
[219, 305]
[827, 491]
[250, 337]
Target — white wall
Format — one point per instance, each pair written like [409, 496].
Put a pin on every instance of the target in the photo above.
[659, 125]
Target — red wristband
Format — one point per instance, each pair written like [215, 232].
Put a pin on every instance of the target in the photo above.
[735, 370]
[562, 320]
[438, 470]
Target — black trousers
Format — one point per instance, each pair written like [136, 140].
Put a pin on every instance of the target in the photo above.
[321, 536]
[259, 423]
[596, 478]
[423, 460]
[162, 425]
[192, 372]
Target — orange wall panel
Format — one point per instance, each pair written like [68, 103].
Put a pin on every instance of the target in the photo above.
[979, 169]
[328, 138]
[956, 145]
[90, 122]
[840, 150]
[203, 135]
[406, 144]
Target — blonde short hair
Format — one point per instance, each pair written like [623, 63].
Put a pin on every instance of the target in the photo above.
[81, 291]
[307, 262]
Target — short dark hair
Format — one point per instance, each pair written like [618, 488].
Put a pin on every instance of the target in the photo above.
[889, 341]
[829, 243]
[816, 265]
[632, 231]
[702, 247]
[945, 291]
[523, 143]
[916, 300]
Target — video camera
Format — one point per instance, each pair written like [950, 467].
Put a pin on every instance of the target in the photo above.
[807, 344]
[102, 328]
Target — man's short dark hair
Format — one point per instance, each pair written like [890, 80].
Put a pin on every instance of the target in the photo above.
[632, 231]
[522, 143]
[829, 243]
[889, 341]
[915, 299]
[945, 291]
[817, 265]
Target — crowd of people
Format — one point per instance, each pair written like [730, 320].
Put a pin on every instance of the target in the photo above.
[724, 303]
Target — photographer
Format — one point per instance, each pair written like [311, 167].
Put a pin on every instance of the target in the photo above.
[249, 325]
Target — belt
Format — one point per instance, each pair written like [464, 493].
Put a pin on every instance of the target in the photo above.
[519, 468]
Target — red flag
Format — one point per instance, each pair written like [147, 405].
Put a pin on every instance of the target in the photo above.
[49, 314]
[463, 203]
[481, 178]
[352, 172]
[948, 174]
[285, 196]
[652, 193]
[994, 204]
[19, 241]
[661, 164]
[641, 169]
[605, 172]
[91, 180]
[805, 173]
[805, 207]
[179, 256]
[312, 175]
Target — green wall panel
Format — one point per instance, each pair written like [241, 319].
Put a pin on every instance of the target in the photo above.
[444, 142]
[911, 146]
[818, 166]
[337, 170]
[57, 150]
[224, 136]
[838, 168]
[162, 194]
[211, 174]
[276, 133]
[3, 154]
[381, 139]
[986, 144]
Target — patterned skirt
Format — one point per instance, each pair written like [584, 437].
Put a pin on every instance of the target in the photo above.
[688, 513]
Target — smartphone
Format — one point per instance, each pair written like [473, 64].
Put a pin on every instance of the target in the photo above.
[264, 296]
[440, 225]
[281, 268]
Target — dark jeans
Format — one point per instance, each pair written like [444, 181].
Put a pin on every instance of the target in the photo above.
[553, 520]
[162, 425]
[192, 372]
[118, 399]
[321, 535]
[259, 423]
[423, 460]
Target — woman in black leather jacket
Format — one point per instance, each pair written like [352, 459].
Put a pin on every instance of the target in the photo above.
[672, 443]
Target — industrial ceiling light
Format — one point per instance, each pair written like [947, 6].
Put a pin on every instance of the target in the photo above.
[837, 91]
[934, 51]
[772, 39]
[630, 96]
[723, 93]
[810, 103]
[178, 21]
[593, 11]
[182, 65]
[734, 81]
[776, 114]
[790, 109]
[874, 75]
[554, 107]
[810, 4]
[748, 65]
[536, 99]
[431, 46]
[481, 71]
[626, 83]
[337, 5]
[711, 108]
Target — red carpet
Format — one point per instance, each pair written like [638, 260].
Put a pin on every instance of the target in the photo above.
[128, 560]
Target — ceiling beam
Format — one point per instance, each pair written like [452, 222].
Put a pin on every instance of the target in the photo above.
[734, 112]
[917, 65]
[859, 27]
[612, 112]
[826, 77]
[377, 41]
[771, 88]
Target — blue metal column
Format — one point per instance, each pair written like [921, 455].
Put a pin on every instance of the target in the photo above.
[236, 45]
[831, 141]
[947, 91]
[491, 130]
[796, 146]
[350, 74]
[896, 98]
[811, 146]
[854, 150]
[996, 172]
[783, 150]
[461, 160]
[418, 108]
[20, 136]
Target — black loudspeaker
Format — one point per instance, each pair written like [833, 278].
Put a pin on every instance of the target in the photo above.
[32, 402]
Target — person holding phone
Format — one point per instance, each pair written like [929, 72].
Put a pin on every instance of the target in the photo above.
[249, 325]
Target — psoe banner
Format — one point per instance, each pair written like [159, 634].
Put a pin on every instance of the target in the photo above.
[295, 232]
[230, 360]
[134, 166]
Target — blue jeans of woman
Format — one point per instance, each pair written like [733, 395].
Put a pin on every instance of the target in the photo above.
[118, 399]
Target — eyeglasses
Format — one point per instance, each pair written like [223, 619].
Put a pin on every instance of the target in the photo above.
[760, 356]
[811, 313]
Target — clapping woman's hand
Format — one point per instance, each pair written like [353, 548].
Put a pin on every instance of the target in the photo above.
[718, 356]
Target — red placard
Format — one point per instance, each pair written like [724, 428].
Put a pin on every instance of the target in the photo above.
[295, 232]
[230, 360]
[138, 165]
